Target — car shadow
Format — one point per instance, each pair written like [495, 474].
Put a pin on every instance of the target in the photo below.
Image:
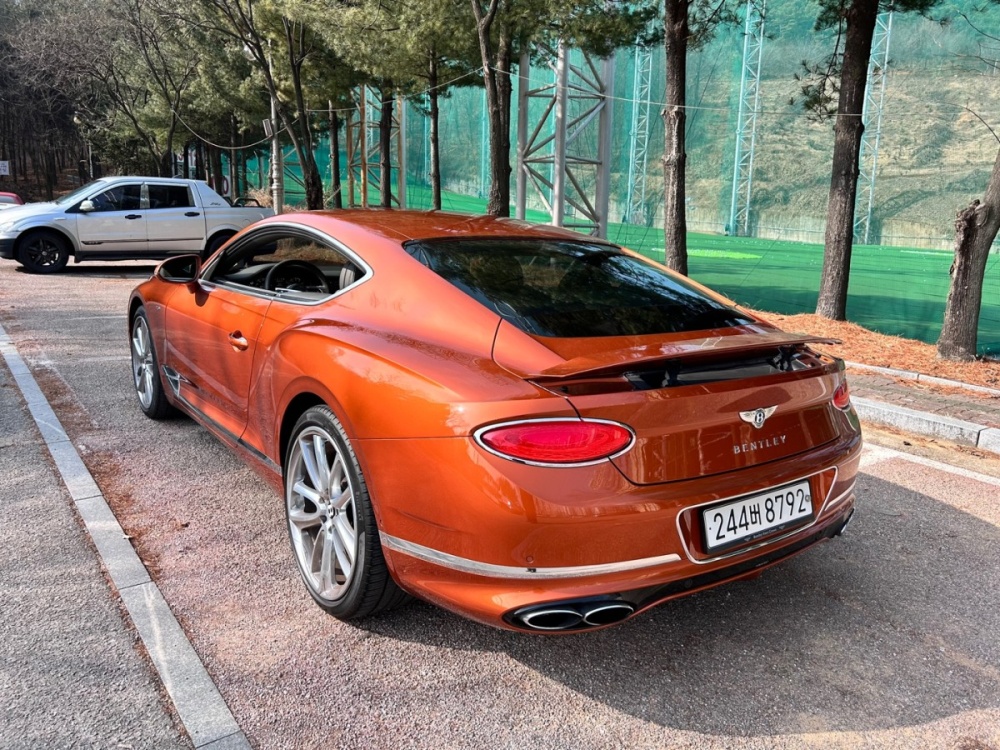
[118, 270]
[892, 625]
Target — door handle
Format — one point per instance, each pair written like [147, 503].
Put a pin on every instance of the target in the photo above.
[133, 216]
[238, 342]
[191, 213]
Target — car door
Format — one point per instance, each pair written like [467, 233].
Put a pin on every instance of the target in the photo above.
[116, 224]
[174, 222]
[211, 341]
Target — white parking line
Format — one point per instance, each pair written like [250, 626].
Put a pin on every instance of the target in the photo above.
[201, 708]
[873, 454]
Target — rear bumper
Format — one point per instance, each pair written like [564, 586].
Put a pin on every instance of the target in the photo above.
[490, 541]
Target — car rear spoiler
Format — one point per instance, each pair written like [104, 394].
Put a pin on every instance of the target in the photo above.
[621, 360]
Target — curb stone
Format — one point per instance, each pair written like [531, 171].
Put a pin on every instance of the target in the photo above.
[923, 423]
[202, 710]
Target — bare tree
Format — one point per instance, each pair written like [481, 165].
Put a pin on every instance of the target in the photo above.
[168, 71]
[247, 22]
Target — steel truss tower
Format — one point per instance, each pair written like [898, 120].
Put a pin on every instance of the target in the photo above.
[577, 104]
[871, 120]
[363, 149]
[635, 199]
[746, 118]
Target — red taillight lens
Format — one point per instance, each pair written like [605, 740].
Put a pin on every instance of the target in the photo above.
[557, 442]
[842, 396]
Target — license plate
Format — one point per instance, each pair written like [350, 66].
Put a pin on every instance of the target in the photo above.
[756, 516]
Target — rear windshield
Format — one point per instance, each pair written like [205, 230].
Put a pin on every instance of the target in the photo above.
[567, 288]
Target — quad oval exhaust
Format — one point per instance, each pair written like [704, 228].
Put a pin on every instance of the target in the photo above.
[573, 615]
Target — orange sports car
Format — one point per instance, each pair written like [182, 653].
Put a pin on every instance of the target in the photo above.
[535, 429]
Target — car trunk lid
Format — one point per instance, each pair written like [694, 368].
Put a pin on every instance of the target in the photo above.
[701, 405]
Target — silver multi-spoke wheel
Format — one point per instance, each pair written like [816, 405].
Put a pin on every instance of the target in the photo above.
[331, 521]
[322, 518]
[143, 363]
[146, 370]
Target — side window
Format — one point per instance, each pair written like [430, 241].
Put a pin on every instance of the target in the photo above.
[295, 267]
[169, 196]
[120, 198]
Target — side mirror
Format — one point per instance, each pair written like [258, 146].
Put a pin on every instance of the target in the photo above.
[87, 206]
[182, 269]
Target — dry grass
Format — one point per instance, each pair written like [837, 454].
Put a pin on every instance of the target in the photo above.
[870, 348]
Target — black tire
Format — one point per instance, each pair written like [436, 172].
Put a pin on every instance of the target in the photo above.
[43, 252]
[338, 526]
[146, 370]
[214, 244]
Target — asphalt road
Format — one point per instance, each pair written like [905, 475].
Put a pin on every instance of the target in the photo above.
[886, 638]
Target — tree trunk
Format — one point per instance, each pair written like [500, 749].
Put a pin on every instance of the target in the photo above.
[432, 82]
[674, 150]
[295, 38]
[234, 178]
[218, 179]
[385, 146]
[832, 301]
[199, 161]
[166, 164]
[975, 229]
[167, 158]
[335, 185]
[496, 79]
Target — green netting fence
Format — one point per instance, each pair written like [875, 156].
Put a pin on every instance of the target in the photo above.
[936, 152]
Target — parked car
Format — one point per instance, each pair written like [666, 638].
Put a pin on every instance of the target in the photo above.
[539, 430]
[9, 200]
[119, 218]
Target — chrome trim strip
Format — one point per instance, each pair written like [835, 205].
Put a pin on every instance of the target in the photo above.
[827, 503]
[489, 570]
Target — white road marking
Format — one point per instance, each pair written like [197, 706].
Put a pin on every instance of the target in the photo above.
[873, 454]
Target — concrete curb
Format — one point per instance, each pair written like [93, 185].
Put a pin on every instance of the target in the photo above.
[923, 423]
[931, 425]
[201, 708]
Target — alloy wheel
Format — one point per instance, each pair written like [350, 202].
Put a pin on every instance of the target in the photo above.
[143, 363]
[321, 513]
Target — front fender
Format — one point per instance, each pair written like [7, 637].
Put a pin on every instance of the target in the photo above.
[65, 226]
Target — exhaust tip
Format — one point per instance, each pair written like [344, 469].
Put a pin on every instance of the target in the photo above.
[552, 619]
[847, 521]
[576, 614]
[608, 614]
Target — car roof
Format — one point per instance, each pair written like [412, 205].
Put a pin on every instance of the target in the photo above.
[400, 225]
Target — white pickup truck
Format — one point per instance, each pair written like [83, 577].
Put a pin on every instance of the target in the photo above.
[118, 218]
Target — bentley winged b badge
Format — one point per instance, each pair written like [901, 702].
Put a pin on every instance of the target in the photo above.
[757, 417]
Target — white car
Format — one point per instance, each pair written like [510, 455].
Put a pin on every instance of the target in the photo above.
[119, 218]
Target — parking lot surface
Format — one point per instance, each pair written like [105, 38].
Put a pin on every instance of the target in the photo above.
[886, 638]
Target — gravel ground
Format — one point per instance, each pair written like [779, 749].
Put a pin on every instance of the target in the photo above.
[886, 638]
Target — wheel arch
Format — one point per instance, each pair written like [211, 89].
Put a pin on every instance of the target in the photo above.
[221, 235]
[133, 305]
[298, 406]
[71, 244]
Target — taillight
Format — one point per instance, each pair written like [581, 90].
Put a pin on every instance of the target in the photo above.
[557, 442]
[842, 396]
